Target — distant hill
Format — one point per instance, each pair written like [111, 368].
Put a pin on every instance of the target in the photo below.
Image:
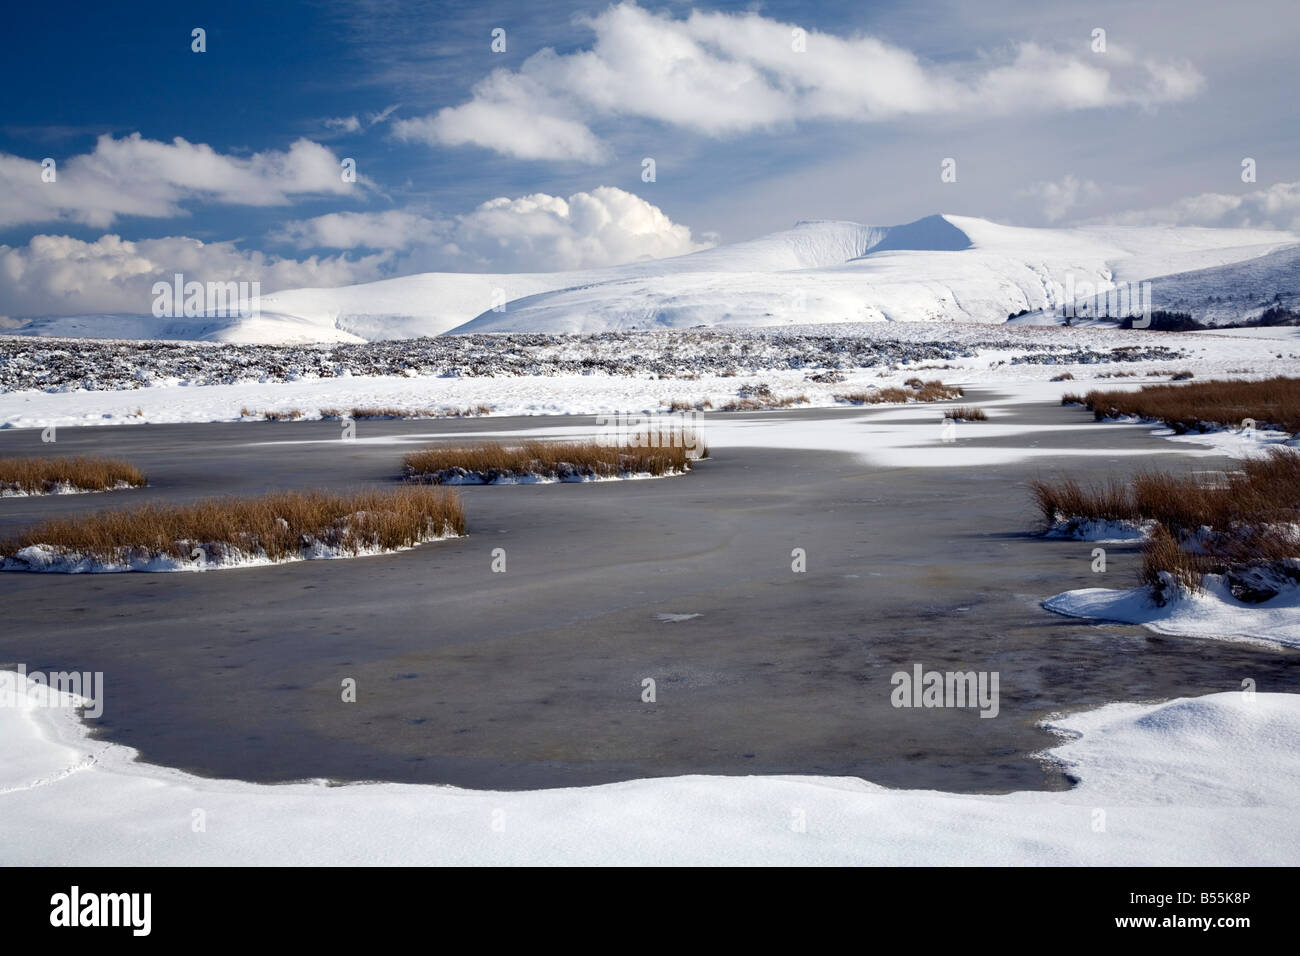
[940, 268]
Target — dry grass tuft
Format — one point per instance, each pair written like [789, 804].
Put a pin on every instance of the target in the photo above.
[277, 526]
[371, 412]
[913, 390]
[400, 413]
[42, 476]
[493, 461]
[756, 403]
[967, 413]
[1274, 401]
[1244, 524]
[271, 415]
[1063, 377]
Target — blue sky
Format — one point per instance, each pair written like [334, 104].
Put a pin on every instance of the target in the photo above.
[746, 137]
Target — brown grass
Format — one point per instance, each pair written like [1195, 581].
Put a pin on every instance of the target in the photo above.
[755, 403]
[1063, 377]
[370, 412]
[1242, 524]
[681, 405]
[41, 476]
[492, 461]
[288, 415]
[390, 412]
[967, 413]
[1265, 491]
[1274, 401]
[913, 390]
[277, 526]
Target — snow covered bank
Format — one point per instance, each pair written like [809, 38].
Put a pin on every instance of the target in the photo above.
[460, 476]
[1101, 530]
[63, 488]
[209, 557]
[232, 532]
[1196, 781]
[1213, 613]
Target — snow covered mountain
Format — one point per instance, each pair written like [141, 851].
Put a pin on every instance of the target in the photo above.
[940, 268]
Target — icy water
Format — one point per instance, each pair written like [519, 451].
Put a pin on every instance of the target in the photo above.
[535, 677]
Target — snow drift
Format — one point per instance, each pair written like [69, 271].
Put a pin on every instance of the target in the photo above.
[1196, 781]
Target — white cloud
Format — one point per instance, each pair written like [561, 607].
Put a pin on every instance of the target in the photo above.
[537, 233]
[722, 74]
[606, 226]
[134, 176]
[60, 275]
[344, 124]
[1058, 198]
[354, 123]
[392, 229]
[1277, 207]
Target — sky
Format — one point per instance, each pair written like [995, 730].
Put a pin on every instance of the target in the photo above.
[502, 137]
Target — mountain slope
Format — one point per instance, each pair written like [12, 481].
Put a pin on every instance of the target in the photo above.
[952, 268]
[940, 268]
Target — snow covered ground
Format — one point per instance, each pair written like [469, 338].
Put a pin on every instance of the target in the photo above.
[63, 488]
[136, 383]
[44, 559]
[1214, 614]
[1196, 781]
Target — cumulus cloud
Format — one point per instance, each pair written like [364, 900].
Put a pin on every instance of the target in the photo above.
[606, 226]
[60, 275]
[134, 176]
[537, 233]
[722, 74]
[1068, 193]
[1276, 207]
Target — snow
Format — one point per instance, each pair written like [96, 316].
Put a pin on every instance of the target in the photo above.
[931, 275]
[1101, 530]
[1213, 613]
[937, 268]
[127, 384]
[1194, 781]
[479, 478]
[63, 488]
[41, 558]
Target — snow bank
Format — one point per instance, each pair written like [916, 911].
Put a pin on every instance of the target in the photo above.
[62, 488]
[43, 558]
[1196, 781]
[1101, 531]
[462, 476]
[1213, 613]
